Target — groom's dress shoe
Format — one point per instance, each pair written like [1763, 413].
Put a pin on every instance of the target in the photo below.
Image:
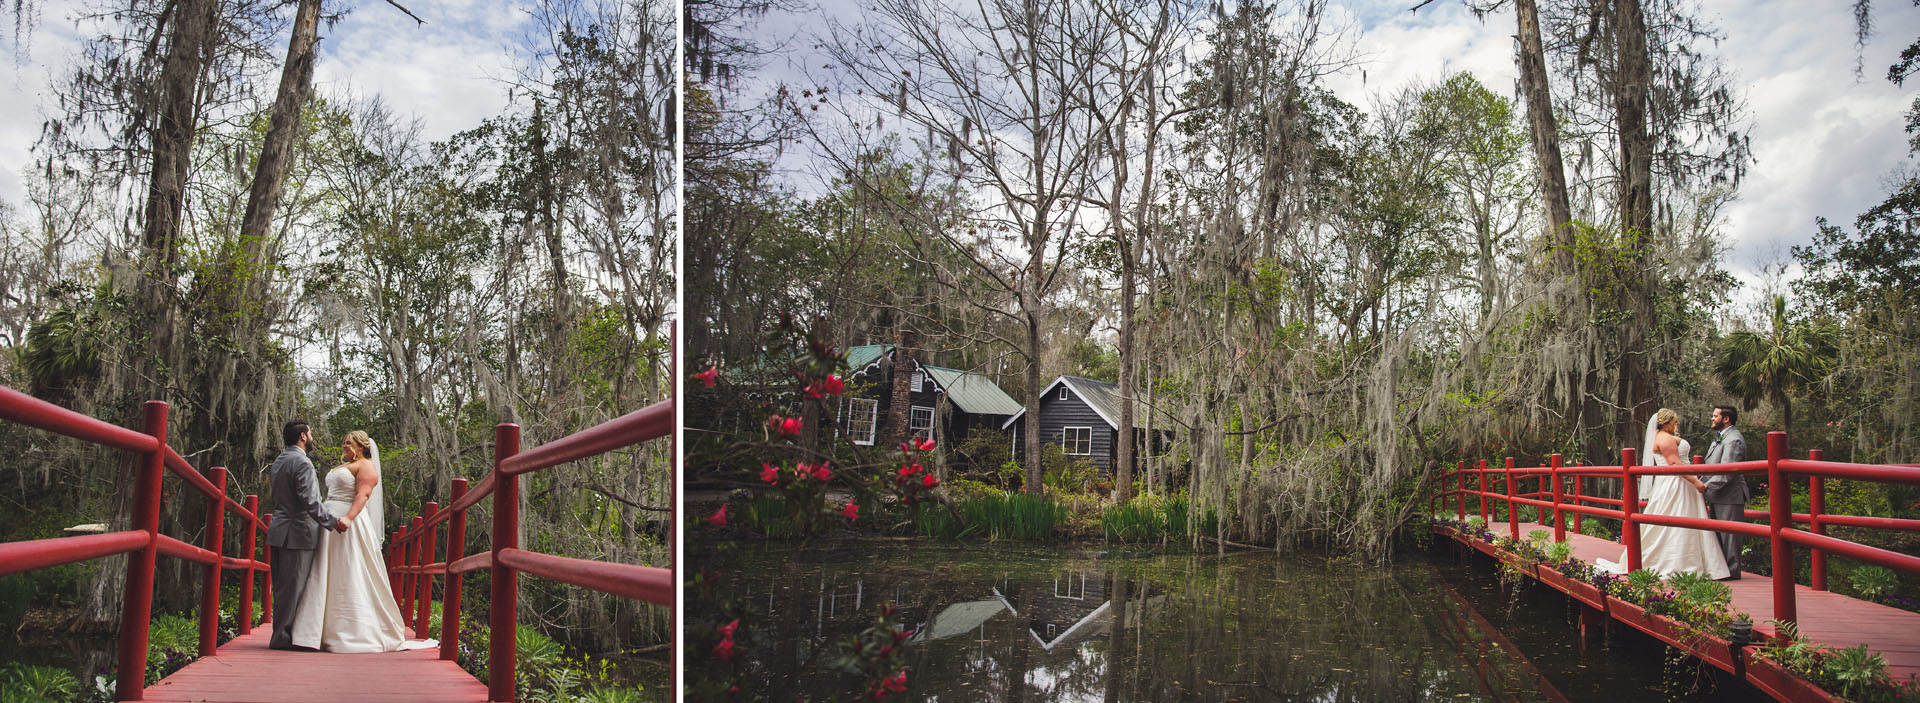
[1734, 577]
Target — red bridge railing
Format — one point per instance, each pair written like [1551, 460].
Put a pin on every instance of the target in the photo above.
[143, 543]
[1781, 524]
[417, 553]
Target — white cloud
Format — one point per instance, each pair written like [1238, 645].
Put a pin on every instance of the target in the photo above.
[450, 72]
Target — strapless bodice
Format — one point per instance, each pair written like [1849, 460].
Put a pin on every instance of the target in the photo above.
[340, 485]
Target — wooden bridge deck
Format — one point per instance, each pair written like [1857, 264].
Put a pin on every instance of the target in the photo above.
[1824, 617]
[246, 670]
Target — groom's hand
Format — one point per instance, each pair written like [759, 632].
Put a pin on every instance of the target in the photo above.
[340, 526]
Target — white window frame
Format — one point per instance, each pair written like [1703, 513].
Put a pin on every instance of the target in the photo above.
[853, 417]
[913, 421]
[919, 380]
[1063, 392]
[1066, 446]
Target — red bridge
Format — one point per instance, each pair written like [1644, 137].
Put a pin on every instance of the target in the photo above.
[243, 669]
[1821, 616]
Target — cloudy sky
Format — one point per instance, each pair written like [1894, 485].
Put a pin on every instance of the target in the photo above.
[449, 72]
[1824, 139]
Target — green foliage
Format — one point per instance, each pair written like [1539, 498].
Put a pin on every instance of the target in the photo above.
[1559, 552]
[1776, 364]
[1873, 582]
[20, 683]
[996, 517]
[1856, 669]
[16, 596]
[768, 515]
[1153, 518]
[1065, 474]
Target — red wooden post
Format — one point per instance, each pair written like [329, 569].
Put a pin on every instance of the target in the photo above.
[1513, 510]
[136, 605]
[246, 587]
[1462, 473]
[504, 605]
[266, 594]
[450, 592]
[400, 591]
[1559, 518]
[1629, 502]
[1485, 519]
[1579, 519]
[1817, 506]
[1780, 517]
[210, 574]
[424, 600]
[417, 546]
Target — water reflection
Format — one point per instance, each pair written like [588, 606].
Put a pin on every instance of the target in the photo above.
[1027, 624]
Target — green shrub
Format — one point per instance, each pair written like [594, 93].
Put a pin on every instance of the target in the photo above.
[37, 684]
[1874, 582]
[769, 515]
[1003, 516]
[16, 596]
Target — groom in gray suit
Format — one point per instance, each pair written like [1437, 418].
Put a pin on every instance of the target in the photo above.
[1726, 494]
[298, 517]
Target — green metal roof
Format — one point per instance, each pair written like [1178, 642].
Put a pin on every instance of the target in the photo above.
[972, 392]
[858, 357]
[968, 391]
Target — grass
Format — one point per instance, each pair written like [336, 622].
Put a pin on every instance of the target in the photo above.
[996, 517]
[1152, 519]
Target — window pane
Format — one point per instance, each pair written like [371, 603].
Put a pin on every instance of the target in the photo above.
[865, 412]
[922, 422]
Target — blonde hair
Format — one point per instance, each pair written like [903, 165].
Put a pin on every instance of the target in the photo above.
[1663, 418]
[360, 439]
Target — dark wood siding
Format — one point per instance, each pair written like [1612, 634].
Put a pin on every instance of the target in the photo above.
[1057, 414]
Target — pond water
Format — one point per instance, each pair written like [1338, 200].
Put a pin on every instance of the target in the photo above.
[1028, 623]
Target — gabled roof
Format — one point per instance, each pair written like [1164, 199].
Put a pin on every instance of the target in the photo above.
[1103, 397]
[971, 392]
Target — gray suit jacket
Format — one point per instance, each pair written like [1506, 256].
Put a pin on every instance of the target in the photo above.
[298, 514]
[1730, 447]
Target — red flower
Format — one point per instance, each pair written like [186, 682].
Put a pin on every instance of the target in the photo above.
[718, 518]
[907, 469]
[784, 425]
[926, 444]
[821, 473]
[724, 650]
[726, 631]
[813, 391]
[852, 512]
[906, 447]
[832, 385]
[708, 376]
[929, 481]
[769, 473]
[897, 682]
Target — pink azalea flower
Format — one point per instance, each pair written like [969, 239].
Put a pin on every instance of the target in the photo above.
[821, 473]
[708, 376]
[718, 518]
[926, 444]
[851, 512]
[769, 473]
[929, 481]
[790, 426]
[833, 385]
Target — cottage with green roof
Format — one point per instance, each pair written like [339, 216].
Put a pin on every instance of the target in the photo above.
[946, 403]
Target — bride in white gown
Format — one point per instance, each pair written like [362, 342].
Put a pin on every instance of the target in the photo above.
[349, 604]
[1668, 550]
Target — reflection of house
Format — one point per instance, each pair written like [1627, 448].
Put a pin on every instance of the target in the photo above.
[1082, 416]
[946, 403]
[1070, 611]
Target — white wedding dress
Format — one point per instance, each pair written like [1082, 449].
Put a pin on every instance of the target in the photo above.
[349, 606]
[1667, 550]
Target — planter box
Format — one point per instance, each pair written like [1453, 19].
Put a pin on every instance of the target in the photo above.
[1579, 590]
[1785, 685]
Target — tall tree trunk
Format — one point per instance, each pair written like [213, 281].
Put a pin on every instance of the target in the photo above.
[1545, 131]
[283, 124]
[1031, 421]
[1633, 75]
